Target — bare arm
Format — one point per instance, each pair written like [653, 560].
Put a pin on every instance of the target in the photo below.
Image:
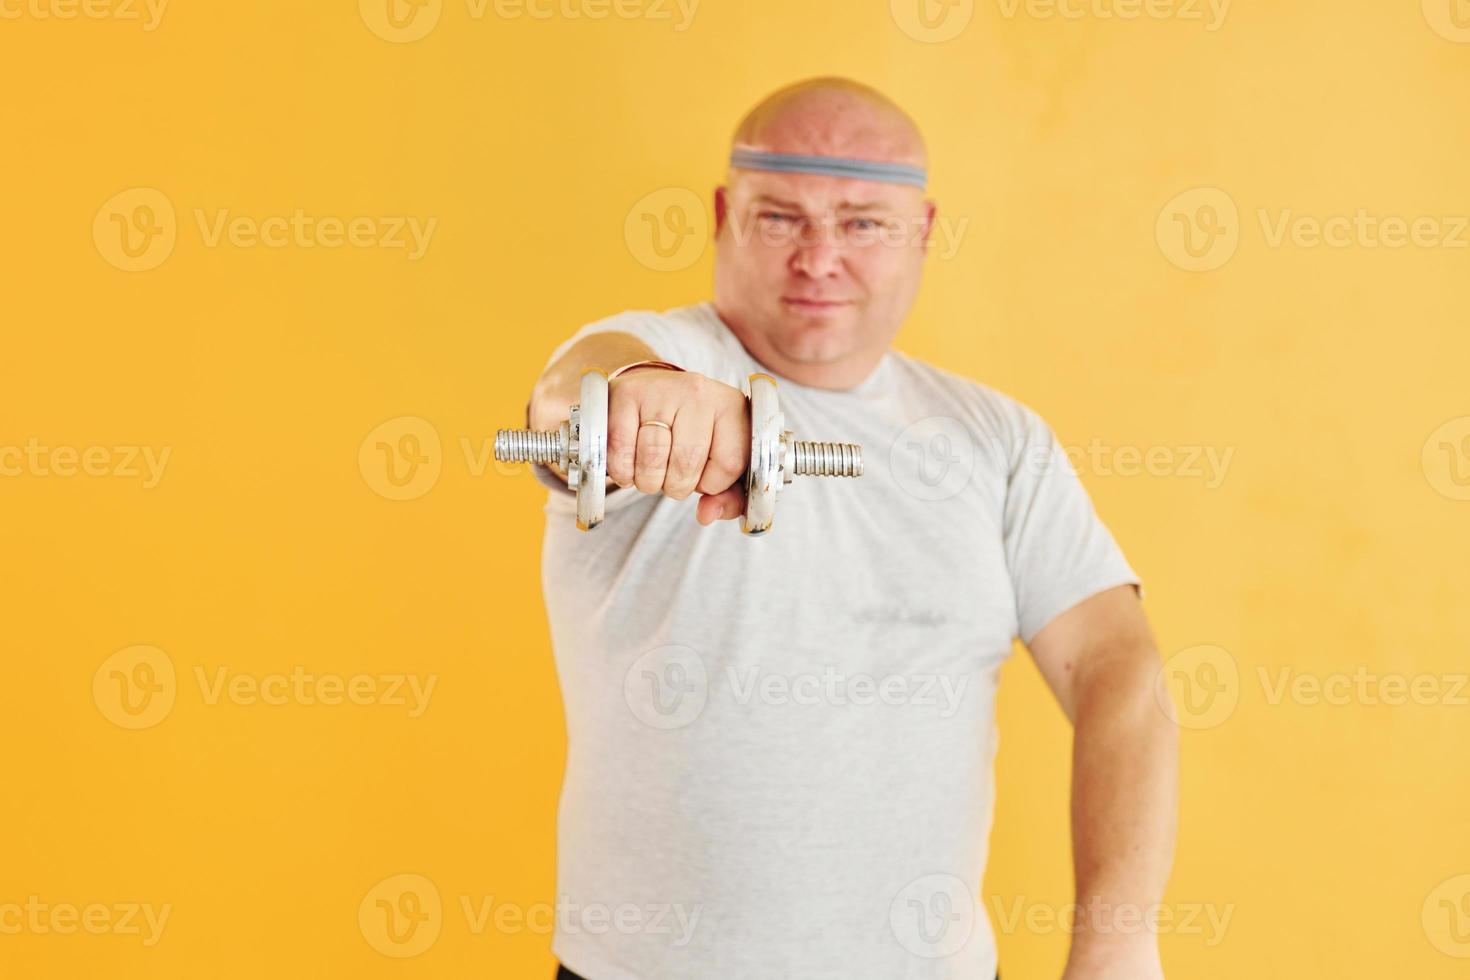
[559, 388]
[1101, 661]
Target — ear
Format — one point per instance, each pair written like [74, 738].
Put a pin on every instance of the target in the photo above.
[722, 206]
[930, 210]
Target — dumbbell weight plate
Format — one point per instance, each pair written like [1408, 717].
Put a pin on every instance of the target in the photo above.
[592, 450]
[763, 480]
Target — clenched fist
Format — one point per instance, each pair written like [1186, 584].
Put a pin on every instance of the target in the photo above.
[705, 449]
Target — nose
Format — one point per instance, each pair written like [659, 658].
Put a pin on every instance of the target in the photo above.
[815, 254]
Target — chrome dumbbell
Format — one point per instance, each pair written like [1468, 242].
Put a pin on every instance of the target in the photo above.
[579, 448]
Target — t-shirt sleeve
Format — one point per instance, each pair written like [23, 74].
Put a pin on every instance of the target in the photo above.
[1058, 550]
[676, 340]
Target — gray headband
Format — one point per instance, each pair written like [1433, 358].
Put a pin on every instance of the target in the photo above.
[792, 163]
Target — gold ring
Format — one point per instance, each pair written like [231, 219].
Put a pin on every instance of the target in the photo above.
[662, 425]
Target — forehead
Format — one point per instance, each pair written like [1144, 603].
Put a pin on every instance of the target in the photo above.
[818, 192]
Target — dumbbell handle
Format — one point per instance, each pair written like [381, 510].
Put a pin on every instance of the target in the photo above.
[531, 445]
[825, 458]
[807, 458]
[578, 447]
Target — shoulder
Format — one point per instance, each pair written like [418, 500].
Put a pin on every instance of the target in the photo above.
[992, 416]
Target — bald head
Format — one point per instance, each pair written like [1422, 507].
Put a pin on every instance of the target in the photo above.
[832, 117]
[817, 262]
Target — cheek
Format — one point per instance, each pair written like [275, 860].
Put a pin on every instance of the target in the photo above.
[760, 263]
[882, 266]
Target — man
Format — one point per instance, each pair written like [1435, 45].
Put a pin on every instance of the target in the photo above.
[780, 748]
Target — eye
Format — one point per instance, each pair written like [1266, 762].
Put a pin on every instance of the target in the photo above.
[778, 216]
[863, 224]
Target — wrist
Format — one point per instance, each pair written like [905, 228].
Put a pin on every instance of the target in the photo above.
[638, 365]
[1104, 957]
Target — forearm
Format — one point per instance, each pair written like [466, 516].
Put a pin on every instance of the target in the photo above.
[1124, 802]
[559, 388]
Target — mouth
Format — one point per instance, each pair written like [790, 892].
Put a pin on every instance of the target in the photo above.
[813, 305]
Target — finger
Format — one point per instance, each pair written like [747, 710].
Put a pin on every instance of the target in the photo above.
[723, 506]
[652, 459]
[622, 433]
[729, 451]
[693, 432]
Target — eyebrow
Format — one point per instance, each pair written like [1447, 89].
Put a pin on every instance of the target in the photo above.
[844, 206]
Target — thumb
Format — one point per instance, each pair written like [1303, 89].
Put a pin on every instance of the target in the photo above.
[723, 506]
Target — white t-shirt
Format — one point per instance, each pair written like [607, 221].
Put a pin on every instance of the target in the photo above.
[780, 747]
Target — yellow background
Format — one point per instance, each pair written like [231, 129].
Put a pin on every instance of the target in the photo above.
[1335, 542]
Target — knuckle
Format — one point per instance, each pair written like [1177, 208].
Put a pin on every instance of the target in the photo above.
[650, 455]
[728, 459]
[648, 481]
[697, 384]
[619, 460]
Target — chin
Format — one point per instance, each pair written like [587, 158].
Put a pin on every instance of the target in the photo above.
[809, 339]
[819, 315]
